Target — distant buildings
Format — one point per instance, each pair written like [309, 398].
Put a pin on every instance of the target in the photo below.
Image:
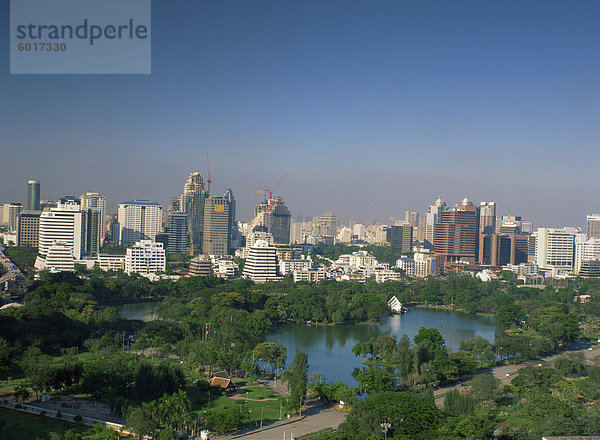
[325, 225]
[139, 220]
[593, 226]
[10, 215]
[487, 217]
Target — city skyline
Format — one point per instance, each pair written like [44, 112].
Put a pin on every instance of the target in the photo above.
[373, 109]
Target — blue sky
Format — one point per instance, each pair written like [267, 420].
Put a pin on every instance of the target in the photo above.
[374, 108]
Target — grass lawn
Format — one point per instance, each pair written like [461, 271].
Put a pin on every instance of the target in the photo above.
[19, 426]
[268, 408]
[11, 378]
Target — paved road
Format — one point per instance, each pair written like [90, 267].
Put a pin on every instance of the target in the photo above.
[317, 419]
[506, 373]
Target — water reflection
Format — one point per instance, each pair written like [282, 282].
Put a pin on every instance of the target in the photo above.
[144, 311]
[329, 348]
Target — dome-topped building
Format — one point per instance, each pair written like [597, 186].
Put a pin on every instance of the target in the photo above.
[440, 202]
[466, 201]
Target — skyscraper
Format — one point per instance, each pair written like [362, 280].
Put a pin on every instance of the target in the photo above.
[487, 217]
[33, 195]
[593, 226]
[217, 235]
[63, 224]
[93, 205]
[28, 229]
[10, 215]
[280, 221]
[400, 238]
[456, 235]
[431, 218]
[177, 230]
[555, 248]
[261, 264]
[139, 220]
[326, 225]
[410, 217]
[192, 201]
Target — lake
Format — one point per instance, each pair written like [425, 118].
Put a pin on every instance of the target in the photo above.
[144, 311]
[329, 348]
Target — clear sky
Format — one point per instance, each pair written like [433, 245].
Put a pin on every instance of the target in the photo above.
[374, 108]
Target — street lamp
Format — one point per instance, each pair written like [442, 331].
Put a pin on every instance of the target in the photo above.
[385, 427]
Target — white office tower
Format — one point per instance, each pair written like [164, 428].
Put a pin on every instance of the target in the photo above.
[139, 220]
[145, 257]
[431, 218]
[59, 258]
[95, 205]
[296, 235]
[487, 217]
[10, 215]
[593, 226]
[555, 248]
[261, 264]
[61, 224]
[585, 250]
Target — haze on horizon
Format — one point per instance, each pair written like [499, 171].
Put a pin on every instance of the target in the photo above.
[374, 108]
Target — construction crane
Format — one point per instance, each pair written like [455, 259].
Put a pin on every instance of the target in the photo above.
[270, 191]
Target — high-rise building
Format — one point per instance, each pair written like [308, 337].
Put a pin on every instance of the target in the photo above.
[113, 229]
[487, 217]
[145, 257]
[431, 218]
[555, 248]
[502, 249]
[63, 224]
[138, 220]
[325, 225]
[217, 232]
[10, 215]
[33, 195]
[192, 201]
[177, 229]
[593, 226]
[59, 258]
[229, 196]
[400, 238]
[261, 264]
[95, 201]
[410, 217]
[456, 234]
[280, 221]
[28, 229]
[585, 250]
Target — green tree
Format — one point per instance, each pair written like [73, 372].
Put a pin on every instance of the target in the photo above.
[408, 414]
[297, 378]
